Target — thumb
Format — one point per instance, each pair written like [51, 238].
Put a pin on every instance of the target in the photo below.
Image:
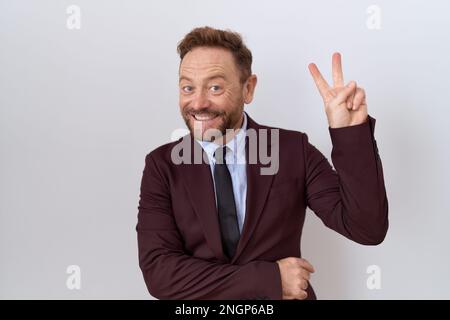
[348, 90]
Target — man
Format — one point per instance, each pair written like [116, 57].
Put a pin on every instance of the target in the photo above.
[221, 228]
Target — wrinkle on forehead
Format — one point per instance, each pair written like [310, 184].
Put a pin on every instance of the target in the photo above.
[207, 61]
[203, 69]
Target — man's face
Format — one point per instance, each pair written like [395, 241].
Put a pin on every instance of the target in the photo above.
[211, 93]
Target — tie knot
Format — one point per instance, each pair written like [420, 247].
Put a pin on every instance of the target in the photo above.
[220, 154]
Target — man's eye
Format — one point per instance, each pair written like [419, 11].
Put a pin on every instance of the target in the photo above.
[187, 89]
[215, 88]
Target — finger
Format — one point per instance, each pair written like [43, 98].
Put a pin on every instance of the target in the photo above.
[344, 94]
[338, 76]
[350, 100]
[302, 295]
[303, 284]
[321, 83]
[305, 274]
[360, 98]
[305, 264]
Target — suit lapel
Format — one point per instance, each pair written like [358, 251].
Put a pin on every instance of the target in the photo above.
[258, 187]
[199, 185]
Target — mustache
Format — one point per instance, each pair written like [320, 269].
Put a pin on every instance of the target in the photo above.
[190, 111]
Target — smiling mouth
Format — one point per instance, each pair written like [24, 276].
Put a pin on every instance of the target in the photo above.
[204, 117]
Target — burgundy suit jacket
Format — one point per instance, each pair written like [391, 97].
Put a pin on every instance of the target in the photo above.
[180, 250]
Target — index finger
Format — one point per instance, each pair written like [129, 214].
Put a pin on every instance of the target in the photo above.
[321, 83]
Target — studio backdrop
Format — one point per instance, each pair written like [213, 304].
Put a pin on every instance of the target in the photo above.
[89, 88]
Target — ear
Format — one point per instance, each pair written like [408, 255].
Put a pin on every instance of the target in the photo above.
[249, 88]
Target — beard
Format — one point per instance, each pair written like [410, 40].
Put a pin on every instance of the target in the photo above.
[213, 129]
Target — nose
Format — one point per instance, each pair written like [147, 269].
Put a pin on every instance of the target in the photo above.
[200, 100]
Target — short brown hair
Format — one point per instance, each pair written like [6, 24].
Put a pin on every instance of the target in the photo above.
[210, 37]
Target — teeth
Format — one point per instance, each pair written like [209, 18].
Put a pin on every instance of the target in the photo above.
[200, 117]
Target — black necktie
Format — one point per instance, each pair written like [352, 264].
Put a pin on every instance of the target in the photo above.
[225, 204]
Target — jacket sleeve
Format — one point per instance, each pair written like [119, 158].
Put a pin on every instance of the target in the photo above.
[352, 198]
[170, 273]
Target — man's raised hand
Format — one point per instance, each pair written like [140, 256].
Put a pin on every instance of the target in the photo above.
[345, 105]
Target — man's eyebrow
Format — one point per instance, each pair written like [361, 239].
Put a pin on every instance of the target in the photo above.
[185, 78]
[215, 76]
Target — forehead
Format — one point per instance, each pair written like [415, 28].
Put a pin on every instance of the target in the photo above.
[205, 60]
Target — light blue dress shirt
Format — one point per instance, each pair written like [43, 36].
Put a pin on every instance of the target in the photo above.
[236, 163]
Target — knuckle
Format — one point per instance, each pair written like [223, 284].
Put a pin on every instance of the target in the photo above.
[303, 295]
[301, 285]
[306, 275]
[304, 284]
[297, 291]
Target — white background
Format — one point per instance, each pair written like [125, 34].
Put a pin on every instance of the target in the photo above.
[80, 109]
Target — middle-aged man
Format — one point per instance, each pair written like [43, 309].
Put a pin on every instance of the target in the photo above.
[222, 227]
